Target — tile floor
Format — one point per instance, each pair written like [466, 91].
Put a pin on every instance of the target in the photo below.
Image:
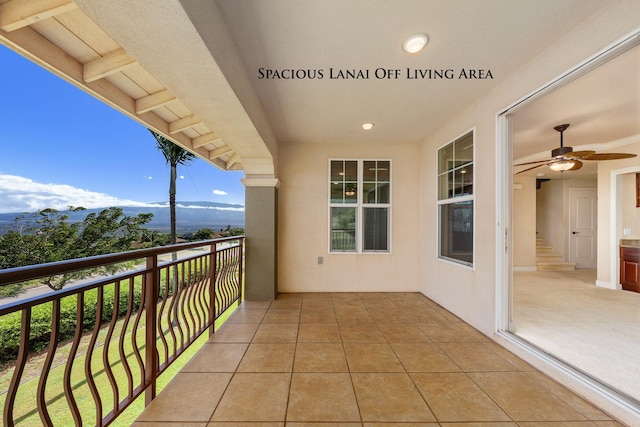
[348, 360]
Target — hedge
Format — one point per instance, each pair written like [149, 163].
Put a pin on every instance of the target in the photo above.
[41, 319]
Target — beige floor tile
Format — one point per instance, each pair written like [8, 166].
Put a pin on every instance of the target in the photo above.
[317, 315]
[388, 315]
[282, 315]
[322, 397]
[577, 403]
[423, 357]
[445, 332]
[510, 357]
[204, 391]
[424, 315]
[455, 397]
[324, 357]
[163, 424]
[276, 332]
[491, 424]
[254, 397]
[556, 424]
[390, 397]
[400, 424]
[607, 424]
[402, 332]
[355, 315]
[474, 332]
[524, 399]
[240, 424]
[476, 357]
[255, 305]
[319, 300]
[235, 333]
[246, 316]
[289, 424]
[215, 357]
[371, 357]
[318, 332]
[287, 301]
[268, 357]
[361, 332]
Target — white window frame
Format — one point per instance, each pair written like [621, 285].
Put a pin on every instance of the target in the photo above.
[360, 206]
[453, 200]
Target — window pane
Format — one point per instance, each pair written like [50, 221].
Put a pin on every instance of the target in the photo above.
[463, 150]
[445, 159]
[351, 171]
[456, 231]
[376, 232]
[445, 186]
[343, 229]
[463, 185]
[376, 177]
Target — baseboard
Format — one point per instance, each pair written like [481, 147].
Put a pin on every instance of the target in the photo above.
[525, 268]
[604, 284]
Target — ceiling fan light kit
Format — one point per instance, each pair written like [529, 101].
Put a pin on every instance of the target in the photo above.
[565, 159]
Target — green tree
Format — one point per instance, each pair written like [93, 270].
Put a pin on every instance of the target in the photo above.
[47, 236]
[174, 155]
[203, 234]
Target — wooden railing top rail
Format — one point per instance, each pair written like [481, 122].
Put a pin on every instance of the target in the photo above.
[31, 272]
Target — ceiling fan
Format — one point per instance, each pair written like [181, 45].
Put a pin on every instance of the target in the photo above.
[565, 159]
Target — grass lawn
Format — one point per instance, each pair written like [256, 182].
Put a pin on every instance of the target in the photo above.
[26, 412]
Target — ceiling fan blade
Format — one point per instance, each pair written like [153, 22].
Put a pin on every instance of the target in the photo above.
[577, 165]
[610, 156]
[580, 154]
[528, 169]
[533, 163]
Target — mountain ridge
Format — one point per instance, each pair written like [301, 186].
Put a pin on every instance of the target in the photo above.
[190, 215]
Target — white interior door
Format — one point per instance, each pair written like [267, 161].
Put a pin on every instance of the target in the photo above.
[583, 223]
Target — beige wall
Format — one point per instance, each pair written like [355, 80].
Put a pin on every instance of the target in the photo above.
[553, 209]
[304, 223]
[524, 222]
[471, 293]
[608, 238]
[550, 214]
[630, 213]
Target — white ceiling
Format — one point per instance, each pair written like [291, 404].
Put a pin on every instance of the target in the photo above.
[500, 35]
[602, 108]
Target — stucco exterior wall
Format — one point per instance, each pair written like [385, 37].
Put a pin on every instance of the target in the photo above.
[471, 293]
[304, 222]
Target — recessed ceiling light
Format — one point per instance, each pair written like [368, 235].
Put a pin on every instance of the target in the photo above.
[415, 43]
[368, 125]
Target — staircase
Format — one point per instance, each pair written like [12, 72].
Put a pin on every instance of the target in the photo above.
[546, 260]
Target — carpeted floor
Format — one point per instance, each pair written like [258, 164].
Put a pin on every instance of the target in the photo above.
[594, 329]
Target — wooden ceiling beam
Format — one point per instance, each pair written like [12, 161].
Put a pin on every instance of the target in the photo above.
[233, 160]
[111, 63]
[153, 101]
[220, 151]
[183, 123]
[204, 140]
[16, 14]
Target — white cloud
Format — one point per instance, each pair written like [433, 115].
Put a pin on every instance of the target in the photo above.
[20, 194]
[181, 176]
[219, 193]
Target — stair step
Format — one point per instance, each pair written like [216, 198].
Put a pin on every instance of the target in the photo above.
[549, 257]
[543, 249]
[539, 241]
[556, 266]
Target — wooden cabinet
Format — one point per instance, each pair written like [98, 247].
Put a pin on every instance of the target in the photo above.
[630, 268]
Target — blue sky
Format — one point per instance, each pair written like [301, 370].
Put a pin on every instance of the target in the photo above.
[60, 147]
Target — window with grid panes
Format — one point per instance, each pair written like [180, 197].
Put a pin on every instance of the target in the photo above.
[360, 205]
[456, 200]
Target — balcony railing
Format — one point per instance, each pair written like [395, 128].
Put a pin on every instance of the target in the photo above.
[110, 338]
